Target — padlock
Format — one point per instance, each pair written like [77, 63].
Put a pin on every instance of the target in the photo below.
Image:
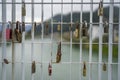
[100, 9]
[70, 27]
[23, 26]
[18, 32]
[6, 61]
[58, 27]
[84, 29]
[23, 9]
[50, 69]
[8, 32]
[58, 56]
[106, 27]
[84, 69]
[76, 33]
[46, 28]
[104, 67]
[33, 69]
[34, 26]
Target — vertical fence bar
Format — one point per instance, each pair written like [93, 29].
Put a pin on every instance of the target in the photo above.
[23, 48]
[51, 30]
[3, 39]
[110, 40]
[32, 33]
[71, 25]
[119, 47]
[61, 18]
[13, 45]
[90, 40]
[80, 32]
[42, 24]
[100, 47]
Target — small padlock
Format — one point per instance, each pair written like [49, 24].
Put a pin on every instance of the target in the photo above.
[104, 67]
[58, 56]
[34, 26]
[84, 69]
[58, 27]
[6, 61]
[100, 9]
[23, 26]
[23, 9]
[50, 69]
[33, 67]
[84, 29]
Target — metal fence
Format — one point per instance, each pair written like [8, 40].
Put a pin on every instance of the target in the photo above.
[82, 64]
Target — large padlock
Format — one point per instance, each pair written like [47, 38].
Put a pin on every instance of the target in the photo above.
[50, 69]
[23, 9]
[84, 29]
[8, 32]
[18, 32]
[100, 9]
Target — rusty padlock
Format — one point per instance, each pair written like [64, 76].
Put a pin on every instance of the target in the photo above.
[50, 69]
[33, 68]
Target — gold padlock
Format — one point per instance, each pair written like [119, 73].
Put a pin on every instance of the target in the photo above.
[76, 33]
[58, 27]
[100, 9]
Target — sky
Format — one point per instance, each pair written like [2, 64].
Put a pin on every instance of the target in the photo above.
[47, 9]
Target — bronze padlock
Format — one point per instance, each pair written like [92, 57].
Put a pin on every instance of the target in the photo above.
[58, 27]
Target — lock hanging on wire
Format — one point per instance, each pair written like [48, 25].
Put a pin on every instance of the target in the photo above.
[33, 69]
[23, 9]
[77, 30]
[58, 56]
[34, 27]
[9, 32]
[106, 26]
[84, 29]
[100, 9]
[58, 27]
[50, 69]
[104, 67]
[6, 61]
[84, 69]
[18, 32]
